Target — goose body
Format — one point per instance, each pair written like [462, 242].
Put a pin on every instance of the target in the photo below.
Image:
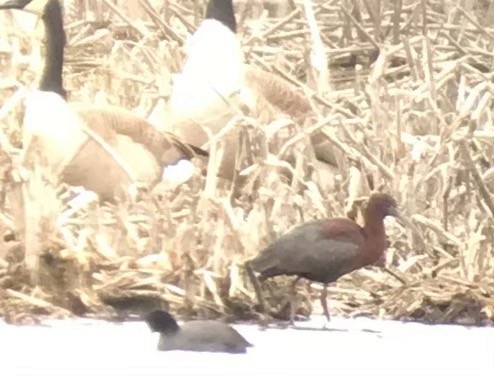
[274, 95]
[207, 94]
[208, 88]
[64, 136]
[215, 82]
[101, 148]
[214, 68]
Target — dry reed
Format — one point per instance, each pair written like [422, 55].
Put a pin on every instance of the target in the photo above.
[408, 109]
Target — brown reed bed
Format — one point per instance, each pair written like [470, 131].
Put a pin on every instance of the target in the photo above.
[406, 101]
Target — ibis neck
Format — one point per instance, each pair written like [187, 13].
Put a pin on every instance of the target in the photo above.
[376, 237]
[222, 11]
[51, 79]
[373, 223]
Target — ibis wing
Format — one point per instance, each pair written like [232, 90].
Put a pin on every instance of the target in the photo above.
[313, 251]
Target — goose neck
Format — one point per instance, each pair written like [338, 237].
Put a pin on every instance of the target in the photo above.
[222, 11]
[51, 79]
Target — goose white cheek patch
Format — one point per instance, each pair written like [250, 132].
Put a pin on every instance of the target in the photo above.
[178, 173]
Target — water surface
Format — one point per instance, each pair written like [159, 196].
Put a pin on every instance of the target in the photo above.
[357, 347]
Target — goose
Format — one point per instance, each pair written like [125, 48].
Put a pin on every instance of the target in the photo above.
[204, 93]
[215, 79]
[102, 148]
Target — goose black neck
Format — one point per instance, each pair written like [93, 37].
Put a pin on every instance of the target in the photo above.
[222, 11]
[51, 79]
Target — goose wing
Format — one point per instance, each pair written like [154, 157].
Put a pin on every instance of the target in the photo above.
[166, 148]
[280, 93]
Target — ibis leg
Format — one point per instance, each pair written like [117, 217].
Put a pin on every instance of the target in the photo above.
[257, 287]
[293, 300]
[324, 301]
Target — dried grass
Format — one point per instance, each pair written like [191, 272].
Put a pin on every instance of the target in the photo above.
[414, 120]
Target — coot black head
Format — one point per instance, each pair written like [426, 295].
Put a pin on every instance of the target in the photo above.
[162, 322]
[197, 335]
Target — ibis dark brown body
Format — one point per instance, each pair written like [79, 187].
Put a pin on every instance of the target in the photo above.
[197, 335]
[324, 250]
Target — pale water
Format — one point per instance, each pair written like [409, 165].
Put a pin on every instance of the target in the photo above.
[357, 347]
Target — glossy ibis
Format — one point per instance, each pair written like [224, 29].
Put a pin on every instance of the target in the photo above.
[324, 250]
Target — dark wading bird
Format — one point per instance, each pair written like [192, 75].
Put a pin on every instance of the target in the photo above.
[324, 250]
[198, 335]
[102, 148]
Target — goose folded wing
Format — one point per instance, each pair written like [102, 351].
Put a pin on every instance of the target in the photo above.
[167, 148]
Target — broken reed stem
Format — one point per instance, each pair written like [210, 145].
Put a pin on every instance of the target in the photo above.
[398, 4]
[434, 226]
[484, 193]
[161, 23]
[318, 56]
[361, 29]
[423, 7]
[397, 275]
[34, 301]
[168, 223]
[136, 26]
[478, 26]
[277, 26]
